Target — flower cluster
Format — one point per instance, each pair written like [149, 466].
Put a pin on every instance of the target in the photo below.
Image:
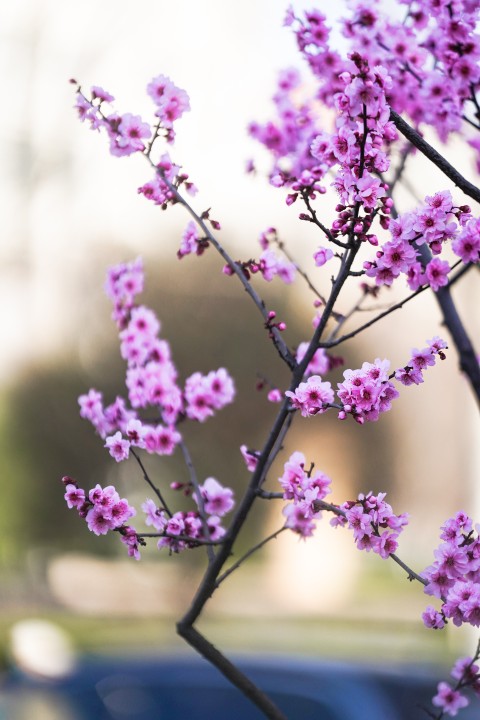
[431, 54]
[189, 529]
[151, 379]
[307, 489]
[373, 522]
[431, 224]
[366, 392]
[412, 373]
[104, 511]
[454, 576]
[129, 134]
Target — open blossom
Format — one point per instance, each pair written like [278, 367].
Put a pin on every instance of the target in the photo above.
[437, 273]
[217, 500]
[374, 524]
[205, 394]
[127, 134]
[306, 489]
[312, 397]
[154, 516]
[170, 100]
[190, 240]
[367, 392]
[318, 365]
[118, 447]
[449, 700]
[161, 439]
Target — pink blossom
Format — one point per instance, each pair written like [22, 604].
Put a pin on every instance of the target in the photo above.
[161, 439]
[118, 447]
[136, 432]
[171, 101]
[312, 397]
[99, 520]
[274, 395]
[322, 255]
[450, 700]
[154, 516]
[217, 500]
[127, 134]
[437, 273]
[190, 240]
[129, 537]
[296, 521]
[318, 365]
[433, 619]
[74, 496]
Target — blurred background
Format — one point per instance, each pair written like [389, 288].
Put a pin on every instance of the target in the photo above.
[69, 210]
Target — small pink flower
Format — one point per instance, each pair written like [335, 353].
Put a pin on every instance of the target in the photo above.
[450, 700]
[217, 500]
[118, 447]
[322, 256]
[437, 273]
[74, 496]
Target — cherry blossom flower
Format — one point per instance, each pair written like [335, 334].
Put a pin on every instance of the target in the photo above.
[118, 447]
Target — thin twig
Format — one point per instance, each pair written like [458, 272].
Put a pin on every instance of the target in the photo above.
[278, 341]
[434, 156]
[248, 554]
[147, 479]
[198, 497]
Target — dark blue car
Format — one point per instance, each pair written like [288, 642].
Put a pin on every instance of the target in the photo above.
[179, 688]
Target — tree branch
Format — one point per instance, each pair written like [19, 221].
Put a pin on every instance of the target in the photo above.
[434, 156]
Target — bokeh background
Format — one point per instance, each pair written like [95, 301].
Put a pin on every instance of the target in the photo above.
[68, 211]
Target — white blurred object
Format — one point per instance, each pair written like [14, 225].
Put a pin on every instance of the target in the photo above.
[41, 648]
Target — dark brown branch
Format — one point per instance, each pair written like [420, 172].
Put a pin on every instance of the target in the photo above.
[434, 156]
[229, 670]
[451, 319]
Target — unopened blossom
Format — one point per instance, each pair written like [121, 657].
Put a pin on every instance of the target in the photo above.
[322, 256]
[250, 457]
